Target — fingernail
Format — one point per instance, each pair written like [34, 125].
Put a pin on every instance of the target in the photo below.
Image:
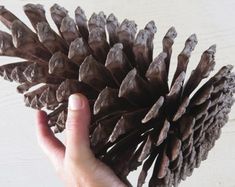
[76, 102]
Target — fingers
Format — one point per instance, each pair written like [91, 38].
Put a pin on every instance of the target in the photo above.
[77, 129]
[52, 147]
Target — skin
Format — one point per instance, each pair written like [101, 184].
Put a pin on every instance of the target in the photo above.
[74, 162]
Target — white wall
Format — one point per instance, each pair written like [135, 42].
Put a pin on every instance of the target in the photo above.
[22, 163]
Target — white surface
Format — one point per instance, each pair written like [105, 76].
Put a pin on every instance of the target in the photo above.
[22, 163]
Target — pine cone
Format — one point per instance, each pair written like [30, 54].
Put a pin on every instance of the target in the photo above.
[138, 118]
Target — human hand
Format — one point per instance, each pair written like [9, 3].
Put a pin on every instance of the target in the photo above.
[74, 162]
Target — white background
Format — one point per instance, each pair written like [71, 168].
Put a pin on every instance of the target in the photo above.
[23, 164]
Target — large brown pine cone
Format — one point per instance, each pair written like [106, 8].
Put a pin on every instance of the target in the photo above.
[138, 119]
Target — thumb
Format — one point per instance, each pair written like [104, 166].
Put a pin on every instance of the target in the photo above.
[77, 128]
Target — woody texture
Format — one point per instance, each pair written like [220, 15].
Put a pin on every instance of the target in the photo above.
[139, 117]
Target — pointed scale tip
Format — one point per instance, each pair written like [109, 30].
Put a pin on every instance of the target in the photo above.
[33, 7]
[141, 38]
[26, 101]
[55, 6]
[15, 75]
[177, 84]
[97, 20]
[126, 83]
[212, 48]
[34, 102]
[57, 9]
[102, 14]
[44, 97]
[99, 102]
[154, 110]
[230, 66]
[80, 15]
[56, 63]
[128, 26]
[118, 130]
[145, 150]
[68, 25]
[190, 45]
[5, 42]
[6, 76]
[193, 37]
[79, 10]
[111, 18]
[62, 90]
[45, 32]
[118, 46]
[151, 26]
[2, 9]
[171, 33]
